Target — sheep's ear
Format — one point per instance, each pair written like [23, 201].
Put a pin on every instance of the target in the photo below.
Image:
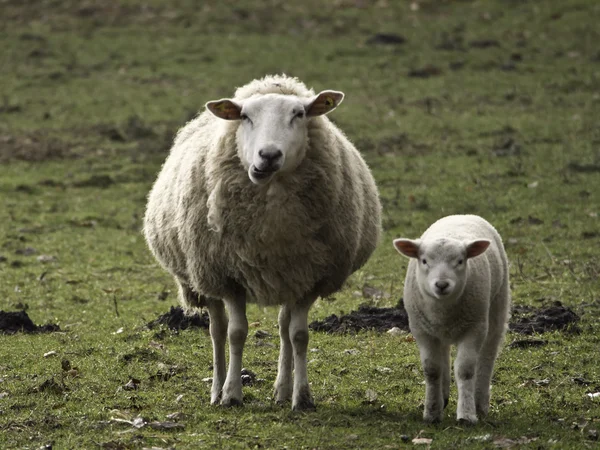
[323, 102]
[476, 248]
[225, 109]
[408, 247]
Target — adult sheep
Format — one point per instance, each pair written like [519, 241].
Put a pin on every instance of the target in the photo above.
[457, 292]
[263, 199]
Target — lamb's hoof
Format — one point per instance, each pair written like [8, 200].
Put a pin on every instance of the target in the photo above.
[482, 411]
[282, 396]
[446, 402]
[229, 402]
[467, 421]
[305, 405]
[432, 419]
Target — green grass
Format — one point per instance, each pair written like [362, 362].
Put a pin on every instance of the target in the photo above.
[91, 95]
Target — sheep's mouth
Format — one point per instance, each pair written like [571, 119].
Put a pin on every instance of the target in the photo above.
[259, 176]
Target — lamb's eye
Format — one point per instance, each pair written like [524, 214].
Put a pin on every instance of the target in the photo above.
[298, 115]
[424, 261]
[244, 117]
[460, 261]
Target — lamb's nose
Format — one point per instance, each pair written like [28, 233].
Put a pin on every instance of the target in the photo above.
[270, 156]
[442, 285]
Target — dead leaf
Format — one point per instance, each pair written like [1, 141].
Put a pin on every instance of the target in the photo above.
[373, 292]
[371, 396]
[166, 425]
[396, 331]
[422, 441]
[175, 416]
[262, 334]
[50, 353]
[132, 384]
[138, 422]
[504, 442]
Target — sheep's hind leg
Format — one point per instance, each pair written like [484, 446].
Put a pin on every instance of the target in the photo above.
[301, 397]
[218, 334]
[489, 353]
[283, 384]
[237, 331]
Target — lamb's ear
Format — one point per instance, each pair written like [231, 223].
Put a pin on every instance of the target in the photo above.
[476, 248]
[323, 102]
[408, 247]
[225, 109]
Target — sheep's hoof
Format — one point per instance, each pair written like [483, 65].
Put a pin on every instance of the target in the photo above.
[231, 402]
[467, 421]
[282, 395]
[446, 402]
[432, 419]
[305, 405]
[482, 410]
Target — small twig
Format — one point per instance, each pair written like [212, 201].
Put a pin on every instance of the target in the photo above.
[115, 303]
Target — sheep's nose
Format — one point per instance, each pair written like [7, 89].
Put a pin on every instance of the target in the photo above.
[442, 285]
[270, 156]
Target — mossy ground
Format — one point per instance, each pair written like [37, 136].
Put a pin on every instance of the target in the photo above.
[488, 107]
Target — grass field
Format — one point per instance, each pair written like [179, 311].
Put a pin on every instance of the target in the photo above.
[484, 107]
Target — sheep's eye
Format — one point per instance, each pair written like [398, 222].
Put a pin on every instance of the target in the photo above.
[460, 261]
[245, 117]
[424, 261]
[298, 115]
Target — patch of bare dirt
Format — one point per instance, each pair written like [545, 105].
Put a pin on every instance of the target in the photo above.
[530, 320]
[35, 147]
[177, 319]
[366, 318]
[19, 321]
[525, 320]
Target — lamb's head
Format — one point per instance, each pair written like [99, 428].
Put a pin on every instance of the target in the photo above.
[273, 133]
[441, 266]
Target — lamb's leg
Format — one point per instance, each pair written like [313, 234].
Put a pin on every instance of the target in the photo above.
[301, 397]
[432, 360]
[218, 334]
[464, 372]
[237, 332]
[446, 374]
[283, 384]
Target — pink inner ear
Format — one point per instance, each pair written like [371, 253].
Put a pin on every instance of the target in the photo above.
[224, 109]
[476, 248]
[407, 248]
[324, 102]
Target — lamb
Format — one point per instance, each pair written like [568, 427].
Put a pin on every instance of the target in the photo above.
[456, 291]
[263, 199]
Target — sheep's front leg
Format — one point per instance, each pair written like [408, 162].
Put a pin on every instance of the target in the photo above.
[283, 384]
[432, 360]
[218, 335]
[446, 374]
[464, 371]
[237, 332]
[301, 397]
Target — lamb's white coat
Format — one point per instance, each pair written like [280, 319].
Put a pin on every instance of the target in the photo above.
[457, 292]
[263, 199]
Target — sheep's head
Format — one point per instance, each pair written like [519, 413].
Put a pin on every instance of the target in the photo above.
[441, 266]
[273, 133]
